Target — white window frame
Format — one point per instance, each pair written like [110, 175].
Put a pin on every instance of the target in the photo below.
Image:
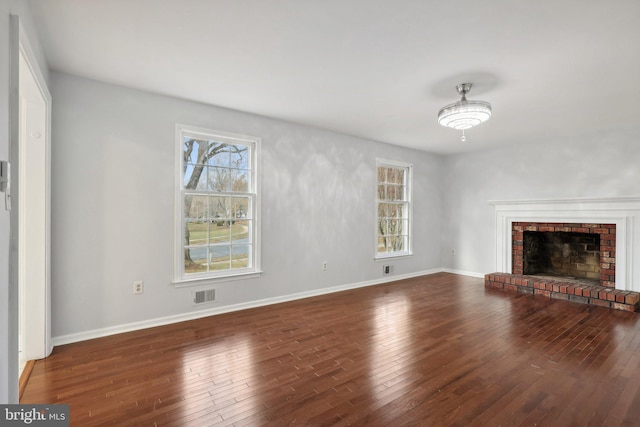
[407, 251]
[180, 278]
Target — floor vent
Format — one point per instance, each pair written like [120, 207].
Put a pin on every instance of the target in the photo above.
[203, 297]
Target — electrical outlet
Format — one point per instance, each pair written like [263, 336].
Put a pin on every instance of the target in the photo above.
[138, 287]
[324, 265]
[386, 269]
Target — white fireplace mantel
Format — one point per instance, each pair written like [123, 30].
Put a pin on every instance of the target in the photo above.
[623, 212]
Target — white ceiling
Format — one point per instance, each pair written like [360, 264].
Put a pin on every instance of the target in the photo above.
[379, 69]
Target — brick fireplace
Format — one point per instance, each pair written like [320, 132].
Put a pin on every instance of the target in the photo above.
[605, 276]
[571, 261]
[578, 251]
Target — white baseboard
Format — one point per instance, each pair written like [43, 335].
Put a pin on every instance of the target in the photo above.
[463, 273]
[167, 320]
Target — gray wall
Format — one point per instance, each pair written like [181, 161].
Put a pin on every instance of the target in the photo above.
[113, 206]
[8, 271]
[606, 164]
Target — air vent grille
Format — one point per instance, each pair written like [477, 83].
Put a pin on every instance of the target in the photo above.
[203, 297]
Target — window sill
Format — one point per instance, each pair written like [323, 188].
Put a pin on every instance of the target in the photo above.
[392, 255]
[184, 283]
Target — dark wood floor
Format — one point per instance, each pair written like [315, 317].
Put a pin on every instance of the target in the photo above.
[432, 351]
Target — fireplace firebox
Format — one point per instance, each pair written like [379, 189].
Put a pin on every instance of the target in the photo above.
[562, 254]
[583, 252]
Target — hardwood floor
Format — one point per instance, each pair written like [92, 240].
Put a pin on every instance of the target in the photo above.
[437, 350]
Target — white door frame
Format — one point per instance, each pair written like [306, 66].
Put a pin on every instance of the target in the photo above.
[34, 208]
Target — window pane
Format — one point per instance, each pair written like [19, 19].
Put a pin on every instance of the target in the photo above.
[240, 231]
[401, 242]
[195, 260]
[192, 149]
[240, 258]
[396, 176]
[197, 233]
[239, 157]
[219, 258]
[392, 210]
[382, 174]
[195, 207]
[393, 227]
[195, 177]
[402, 194]
[391, 175]
[382, 194]
[219, 207]
[239, 180]
[220, 231]
[382, 227]
[240, 207]
[218, 179]
[218, 154]
[186, 177]
[382, 245]
[392, 192]
[382, 210]
[391, 242]
[395, 192]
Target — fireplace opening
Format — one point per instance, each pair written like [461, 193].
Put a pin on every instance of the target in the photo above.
[571, 255]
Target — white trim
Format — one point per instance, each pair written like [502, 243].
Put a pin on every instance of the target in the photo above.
[392, 255]
[212, 280]
[463, 273]
[622, 212]
[43, 295]
[103, 332]
[617, 200]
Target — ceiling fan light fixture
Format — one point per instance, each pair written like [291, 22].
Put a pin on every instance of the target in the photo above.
[464, 114]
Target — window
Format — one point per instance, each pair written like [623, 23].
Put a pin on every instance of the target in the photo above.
[393, 234]
[217, 205]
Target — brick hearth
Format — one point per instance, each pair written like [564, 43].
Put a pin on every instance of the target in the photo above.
[567, 290]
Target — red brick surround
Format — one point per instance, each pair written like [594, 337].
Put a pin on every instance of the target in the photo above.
[607, 234]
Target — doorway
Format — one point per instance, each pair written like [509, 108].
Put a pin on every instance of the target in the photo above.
[34, 210]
